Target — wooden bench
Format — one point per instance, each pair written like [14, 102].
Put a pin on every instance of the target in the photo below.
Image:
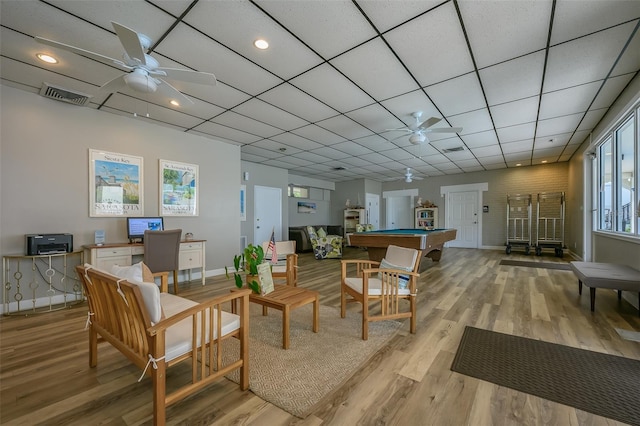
[606, 275]
[157, 330]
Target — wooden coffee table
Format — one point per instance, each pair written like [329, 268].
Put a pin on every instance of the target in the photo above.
[286, 298]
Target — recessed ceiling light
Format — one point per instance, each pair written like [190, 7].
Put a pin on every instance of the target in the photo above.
[261, 44]
[544, 161]
[47, 58]
[518, 165]
[174, 102]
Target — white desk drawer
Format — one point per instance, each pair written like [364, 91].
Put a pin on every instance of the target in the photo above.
[137, 250]
[191, 246]
[113, 252]
[189, 259]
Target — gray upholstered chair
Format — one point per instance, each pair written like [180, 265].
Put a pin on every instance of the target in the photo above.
[161, 255]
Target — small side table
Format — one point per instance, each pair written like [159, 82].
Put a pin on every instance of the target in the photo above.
[287, 298]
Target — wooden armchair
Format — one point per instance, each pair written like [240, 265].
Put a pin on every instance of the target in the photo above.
[156, 331]
[389, 282]
[287, 265]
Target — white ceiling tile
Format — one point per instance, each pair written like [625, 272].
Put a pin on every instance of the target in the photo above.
[375, 143]
[472, 122]
[487, 151]
[296, 141]
[458, 95]
[586, 59]
[276, 146]
[432, 46]
[512, 80]
[568, 101]
[373, 117]
[237, 24]
[329, 152]
[246, 124]
[501, 30]
[404, 105]
[329, 28]
[344, 127]
[517, 147]
[386, 14]
[516, 133]
[251, 149]
[574, 19]
[491, 161]
[516, 112]
[261, 111]
[293, 99]
[558, 125]
[225, 132]
[628, 63]
[611, 90]
[352, 149]
[397, 154]
[227, 66]
[591, 119]
[476, 140]
[372, 66]
[318, 134]
[331, 87]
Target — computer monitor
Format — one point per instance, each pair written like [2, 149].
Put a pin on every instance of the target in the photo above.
[137, 225]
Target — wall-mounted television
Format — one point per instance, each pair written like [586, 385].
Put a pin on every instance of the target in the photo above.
[137, 225]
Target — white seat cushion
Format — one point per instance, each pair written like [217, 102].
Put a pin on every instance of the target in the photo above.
[375, 286]
[401, 256]
[178, 336]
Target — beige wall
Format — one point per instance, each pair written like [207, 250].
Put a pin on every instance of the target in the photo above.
[45, 171]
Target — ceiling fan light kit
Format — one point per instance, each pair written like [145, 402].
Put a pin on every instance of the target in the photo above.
[419, 129]
[142, 71]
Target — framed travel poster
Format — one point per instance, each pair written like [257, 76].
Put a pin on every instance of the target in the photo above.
[178, 189]
[115, 184]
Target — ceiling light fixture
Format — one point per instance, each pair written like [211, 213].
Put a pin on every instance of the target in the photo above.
[518, 165]
[417, 138]
[47, 58]
[261, 44]
[174, 102]
[140, 81]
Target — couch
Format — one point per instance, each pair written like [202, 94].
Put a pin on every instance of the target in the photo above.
[300, 235]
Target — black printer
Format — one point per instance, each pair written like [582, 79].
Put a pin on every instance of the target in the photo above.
[49, 243]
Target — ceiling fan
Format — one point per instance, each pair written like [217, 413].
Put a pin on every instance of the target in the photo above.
[420, 129]
[143, 71]
[409, 177]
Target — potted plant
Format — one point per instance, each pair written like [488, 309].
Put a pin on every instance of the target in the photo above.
[247, 264]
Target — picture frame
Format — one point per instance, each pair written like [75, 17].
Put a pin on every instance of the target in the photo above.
[306, 207]
[243, 203]
[179, 188]
[115, 184]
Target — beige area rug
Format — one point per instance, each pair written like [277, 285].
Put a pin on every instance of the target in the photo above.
[298, 378]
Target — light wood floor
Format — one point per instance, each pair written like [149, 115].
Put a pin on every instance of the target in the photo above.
[45, 378]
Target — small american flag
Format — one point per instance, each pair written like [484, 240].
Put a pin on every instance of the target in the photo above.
[272, 247]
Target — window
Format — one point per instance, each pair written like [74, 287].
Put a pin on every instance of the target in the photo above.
[618, 160]
[298, 191]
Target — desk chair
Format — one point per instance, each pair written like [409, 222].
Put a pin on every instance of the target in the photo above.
[161, 255]
[388, 282]
[287, 265]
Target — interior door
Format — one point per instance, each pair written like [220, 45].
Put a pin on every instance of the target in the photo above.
[399, 212]
[462, 208]
[267, 213]
[372, 202]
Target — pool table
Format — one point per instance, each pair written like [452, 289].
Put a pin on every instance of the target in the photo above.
[431, 242]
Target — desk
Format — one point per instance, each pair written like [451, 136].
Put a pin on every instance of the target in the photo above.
[431, 242]
[192, 255]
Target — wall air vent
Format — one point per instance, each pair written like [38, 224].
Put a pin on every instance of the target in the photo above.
[456, 149]
[64, 95]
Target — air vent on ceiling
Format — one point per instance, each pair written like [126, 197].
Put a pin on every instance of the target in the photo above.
[64, 95]
[456, 149]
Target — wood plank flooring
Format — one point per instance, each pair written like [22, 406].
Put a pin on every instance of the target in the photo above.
[45, 378]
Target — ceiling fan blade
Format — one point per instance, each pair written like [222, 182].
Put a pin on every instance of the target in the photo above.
[401, 129]
[189, 76]
[429, 122]
[171, 92]
[131, 42]
[92, 55]
[114, 85]
[446, 130]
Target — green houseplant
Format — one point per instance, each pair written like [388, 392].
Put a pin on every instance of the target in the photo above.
[247, 263]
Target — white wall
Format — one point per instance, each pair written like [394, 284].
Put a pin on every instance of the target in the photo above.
[45, 174]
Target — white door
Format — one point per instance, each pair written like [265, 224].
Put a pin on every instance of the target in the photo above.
[267, 213]
[372, 201]
[462, 214]
[400, 212]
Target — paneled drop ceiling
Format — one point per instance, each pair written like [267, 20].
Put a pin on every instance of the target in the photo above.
[526, 80]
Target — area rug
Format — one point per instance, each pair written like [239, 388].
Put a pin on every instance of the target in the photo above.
[296, 379]
[602, 384]
[546, 265]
